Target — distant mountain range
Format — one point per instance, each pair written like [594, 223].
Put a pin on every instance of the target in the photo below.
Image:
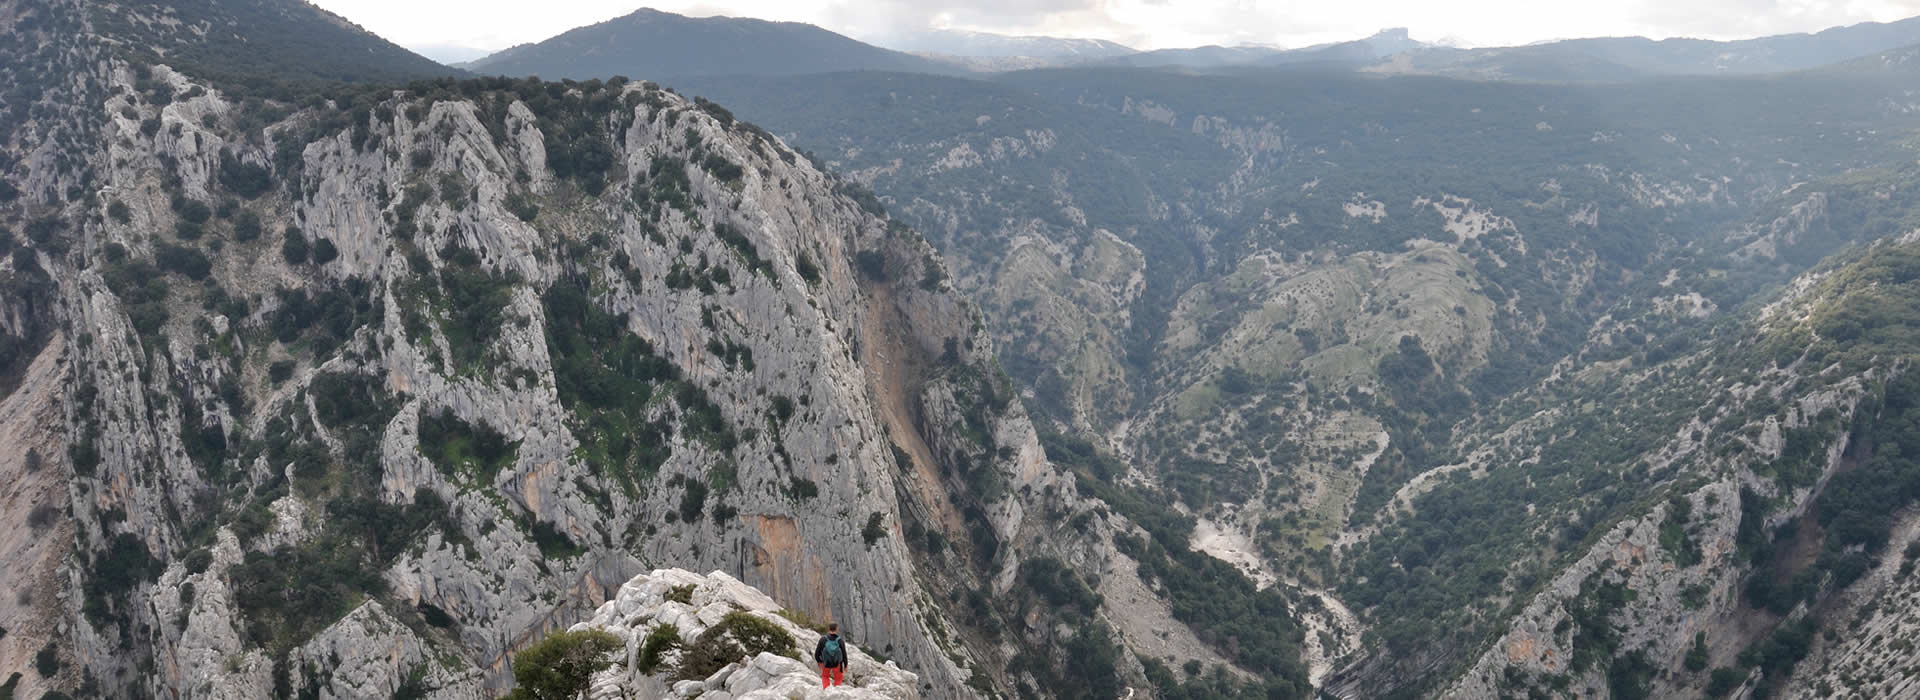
[654, 44]
[1362, 51]
[987, 52]
[664, 45]
[450, 54]
[949, 42]
[1628, 57]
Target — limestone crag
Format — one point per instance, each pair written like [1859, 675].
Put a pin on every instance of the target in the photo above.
[644, 605]
[282, 333]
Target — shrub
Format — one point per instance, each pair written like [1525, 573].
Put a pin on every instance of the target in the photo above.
[327, 318]
[291, 593]
[42, 517]
[1697, 655]
[198, 560]
[739, 635]
[758, 635]
[710, 653]
[324, 252]
[872, 264]
[477, 303]
[605, 377]
[244, 178]
[463, 449]
[681, 594]
[661, 640]
[453, 190]
[726, 170]
[803, 264]
[560, 666]
[934, 274]
[1053, 582]
[246, 226]
[125, 563]
[522, 206]
[693, 500]
[553, 543]
[186, 261]
[876, 528]
[192, 210]
[118, 211]
[344, 400]
[294, 249]
[414, 686]
[47, 662]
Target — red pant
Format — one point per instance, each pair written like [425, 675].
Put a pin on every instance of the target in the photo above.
[831, 675]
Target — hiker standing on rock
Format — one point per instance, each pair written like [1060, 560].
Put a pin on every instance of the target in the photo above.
[831, 653]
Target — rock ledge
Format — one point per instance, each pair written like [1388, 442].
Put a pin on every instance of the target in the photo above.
[642, 605]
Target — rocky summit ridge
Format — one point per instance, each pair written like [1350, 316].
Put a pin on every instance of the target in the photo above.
[647, 604]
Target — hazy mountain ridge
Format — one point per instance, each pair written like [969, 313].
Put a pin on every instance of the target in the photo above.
[966, 44]
[1625, 58]
[665, 45]
[669, 46]
[1387, 42]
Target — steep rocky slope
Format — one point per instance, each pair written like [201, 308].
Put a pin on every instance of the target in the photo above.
[1763, 517]
[1326, 313]
[363, 392]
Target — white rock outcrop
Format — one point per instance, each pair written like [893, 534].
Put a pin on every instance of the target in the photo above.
[642, 605]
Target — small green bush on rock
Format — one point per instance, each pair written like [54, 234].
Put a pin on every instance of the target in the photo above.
[740, 635]
[559, 667]
[661, 640]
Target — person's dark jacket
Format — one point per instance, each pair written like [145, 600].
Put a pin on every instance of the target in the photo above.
[820, 651]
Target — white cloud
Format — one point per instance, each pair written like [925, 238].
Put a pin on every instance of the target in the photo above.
[495, 24]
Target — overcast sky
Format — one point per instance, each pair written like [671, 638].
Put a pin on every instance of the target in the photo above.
[1145, 24]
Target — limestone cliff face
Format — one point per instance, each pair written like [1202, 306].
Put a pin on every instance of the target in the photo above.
[365, 394]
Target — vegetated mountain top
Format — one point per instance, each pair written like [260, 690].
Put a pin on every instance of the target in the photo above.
[657, 44]
[255, 43]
